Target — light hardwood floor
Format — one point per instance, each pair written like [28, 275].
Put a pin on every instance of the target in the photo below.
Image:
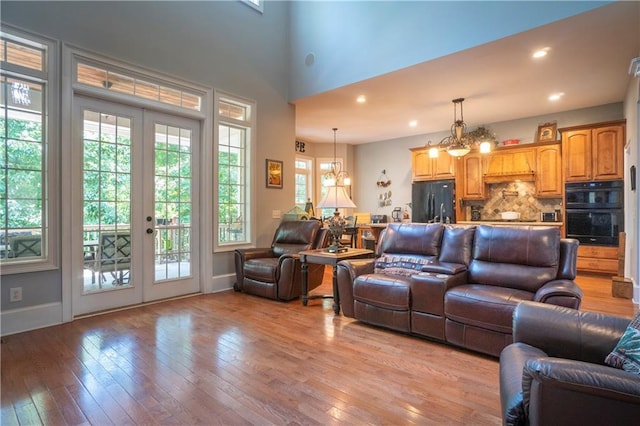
[231, 358]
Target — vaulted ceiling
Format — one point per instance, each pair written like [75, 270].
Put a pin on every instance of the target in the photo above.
[588, 62]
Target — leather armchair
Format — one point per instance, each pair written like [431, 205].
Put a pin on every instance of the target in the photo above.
[554, 372]
[275, 272]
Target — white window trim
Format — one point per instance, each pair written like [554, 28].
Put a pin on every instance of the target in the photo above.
[251, 237]
[311, 173]
[52, 143]
[69, 62]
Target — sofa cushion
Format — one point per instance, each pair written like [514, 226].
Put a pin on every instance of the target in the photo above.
[262, 269]
[412, 238]
[626, 354]
[522, 257]
[384, 291]
[295, 235]
[484, 306]
[457, 242]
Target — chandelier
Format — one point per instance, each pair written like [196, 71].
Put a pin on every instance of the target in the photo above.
[459, 143]
[336, 197]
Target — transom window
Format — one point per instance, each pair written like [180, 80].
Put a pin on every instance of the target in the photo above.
[127, 83]
[26, 143]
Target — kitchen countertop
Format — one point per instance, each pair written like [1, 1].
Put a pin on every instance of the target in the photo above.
[509, 223]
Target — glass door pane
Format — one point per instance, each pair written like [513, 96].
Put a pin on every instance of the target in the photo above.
[170, 196]
[106, 170]
[173, 159]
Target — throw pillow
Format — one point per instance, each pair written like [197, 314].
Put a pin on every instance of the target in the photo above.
[400, 265]
[626, 354]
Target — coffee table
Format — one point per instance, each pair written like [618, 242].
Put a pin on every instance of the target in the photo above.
[323, 257]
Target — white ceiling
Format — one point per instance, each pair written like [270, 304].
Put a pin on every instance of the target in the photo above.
[588, 60]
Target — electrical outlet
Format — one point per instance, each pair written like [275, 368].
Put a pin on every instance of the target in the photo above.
[276, 214]
[15, 294]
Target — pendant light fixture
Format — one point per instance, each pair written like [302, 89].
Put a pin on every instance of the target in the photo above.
[336, 197]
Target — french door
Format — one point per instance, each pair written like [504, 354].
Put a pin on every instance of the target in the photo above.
[135, 205]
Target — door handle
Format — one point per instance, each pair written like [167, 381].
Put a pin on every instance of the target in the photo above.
[149, 231]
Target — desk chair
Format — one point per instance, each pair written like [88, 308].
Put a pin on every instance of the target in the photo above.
[350, 235]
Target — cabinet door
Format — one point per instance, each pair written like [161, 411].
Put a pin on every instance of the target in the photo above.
[421, 165]
[443, 167]
[471, 178]
[576, 153]
[549, 171]
[607, 146]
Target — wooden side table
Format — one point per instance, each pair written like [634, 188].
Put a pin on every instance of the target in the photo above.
[323, 257]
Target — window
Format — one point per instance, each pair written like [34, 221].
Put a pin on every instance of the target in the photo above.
[128, 83]
[28, 144]
[235, 125]
[303, 182]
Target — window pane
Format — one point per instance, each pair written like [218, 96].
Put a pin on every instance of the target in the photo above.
[233, 171]
[23, 157]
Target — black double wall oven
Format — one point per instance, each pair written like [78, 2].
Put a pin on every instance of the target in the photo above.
[594, 212]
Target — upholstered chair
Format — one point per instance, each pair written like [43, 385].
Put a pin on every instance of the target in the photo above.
[275, 272]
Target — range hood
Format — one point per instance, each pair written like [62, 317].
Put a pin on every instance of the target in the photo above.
[510, 177]
[510, 166]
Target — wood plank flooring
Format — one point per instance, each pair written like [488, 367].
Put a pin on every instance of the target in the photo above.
[232, 358]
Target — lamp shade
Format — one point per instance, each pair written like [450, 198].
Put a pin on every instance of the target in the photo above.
[336, 197]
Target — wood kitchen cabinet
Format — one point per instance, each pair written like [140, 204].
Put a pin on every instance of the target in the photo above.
[514, 163]
[470, 177]
[549, 171]
[593, 152]
[425, 168]
[600, 259]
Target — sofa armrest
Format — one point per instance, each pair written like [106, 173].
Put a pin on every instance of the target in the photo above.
[255, 253]
[348, 270]
[560, 292]
[512, 361]
[448, 268]
[567, 333]
[562, 391]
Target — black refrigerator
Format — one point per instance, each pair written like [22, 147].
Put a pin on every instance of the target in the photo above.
[433, 201]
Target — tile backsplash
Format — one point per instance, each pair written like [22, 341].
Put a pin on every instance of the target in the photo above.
[517, 197]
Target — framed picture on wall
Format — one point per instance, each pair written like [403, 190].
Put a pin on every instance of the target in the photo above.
[274, 174]
[547, 132]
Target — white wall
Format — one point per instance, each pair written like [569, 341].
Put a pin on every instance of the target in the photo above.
[631, 199]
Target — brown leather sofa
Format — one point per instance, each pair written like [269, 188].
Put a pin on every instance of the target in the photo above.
[554, 372]
[459, 284]
[275, 272]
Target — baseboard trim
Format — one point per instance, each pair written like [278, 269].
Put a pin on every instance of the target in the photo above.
[31, 318]
[222, 283]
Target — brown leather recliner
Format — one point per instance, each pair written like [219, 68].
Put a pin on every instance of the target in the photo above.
[275, 272]
[554, 372]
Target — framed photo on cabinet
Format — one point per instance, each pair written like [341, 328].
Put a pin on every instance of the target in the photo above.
[547, 132]
[274, 174]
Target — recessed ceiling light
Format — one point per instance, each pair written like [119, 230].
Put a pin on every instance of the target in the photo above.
[361, 99]
[413, 123]
[556, 96]
[541, 53]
